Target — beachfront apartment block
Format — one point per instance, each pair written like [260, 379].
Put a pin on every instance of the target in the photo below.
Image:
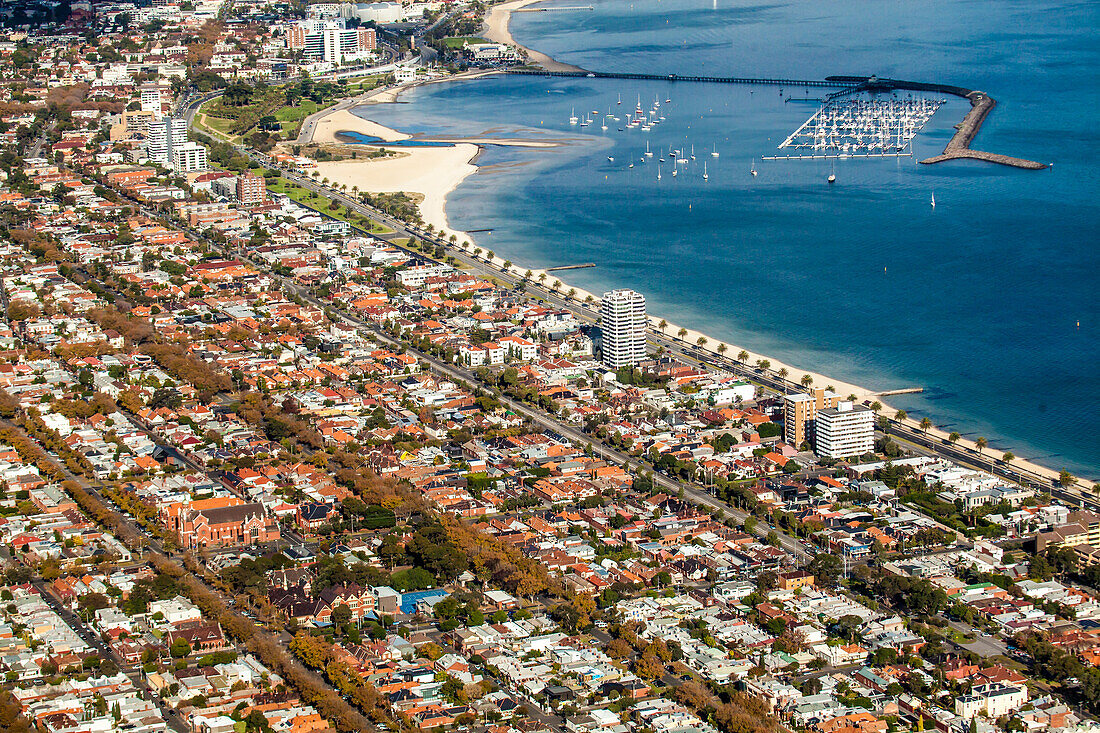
[164, 136]
[622, 328]
[189, 158]
[799, 412]
[844, 431]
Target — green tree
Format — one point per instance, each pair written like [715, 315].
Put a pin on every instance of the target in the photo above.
[180, 648]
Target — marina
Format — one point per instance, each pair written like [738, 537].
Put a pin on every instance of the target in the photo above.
[862, 126]
[837, 156]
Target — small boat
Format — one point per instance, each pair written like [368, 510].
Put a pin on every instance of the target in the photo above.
[705, 176]
[630, 166]
[603, 126]
[611, 159]
[715, 154]
[648, 154]
[693, 151]
[658, 173]
[573, 117]
[667, 100]
[933, 199]
[674, 173]
[620, 99]
[753, 169]
[832, 178]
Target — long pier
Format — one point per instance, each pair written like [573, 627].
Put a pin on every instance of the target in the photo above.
[958, 147]
[678, 77]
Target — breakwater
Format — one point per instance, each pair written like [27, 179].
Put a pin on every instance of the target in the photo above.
[958, 147]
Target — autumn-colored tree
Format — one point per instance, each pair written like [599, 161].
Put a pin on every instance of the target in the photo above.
[648, 666]
[618, 648]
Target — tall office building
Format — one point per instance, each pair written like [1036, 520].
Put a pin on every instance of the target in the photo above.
[162, 136]
[799, 413]
[844, 431]
[622, 328]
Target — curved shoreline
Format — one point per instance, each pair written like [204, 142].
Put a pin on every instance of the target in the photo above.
[497, 30]
[841, 387]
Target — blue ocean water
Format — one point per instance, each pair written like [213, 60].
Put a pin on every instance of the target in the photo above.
[988, 301]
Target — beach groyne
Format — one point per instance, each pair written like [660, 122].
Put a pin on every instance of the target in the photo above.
[958, 147]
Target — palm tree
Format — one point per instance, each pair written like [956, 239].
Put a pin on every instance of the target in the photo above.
[1008, 457]
[683, 332]
[589, 299]
[489, 256]
[527, 275]
[764, 364]
[555, 286]
[507, 265]
[1067, 479]
[452, 239]
[925, 423]
[542, 277]
[722, 349]
[981, 444]
[477, 252]
[702, 341]
[572, 292]
[876, 405]
[900, 415]
[953, 438]
[806, 380]
[782, 373]
[662, 325]
[742, 356]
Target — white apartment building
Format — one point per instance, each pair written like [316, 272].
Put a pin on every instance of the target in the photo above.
[844, 431]
[330, 39]
[162, 136]
[189, 158]
[414, 277]
[622, 328]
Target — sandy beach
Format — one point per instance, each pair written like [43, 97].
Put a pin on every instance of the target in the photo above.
[342, 120]
[842, 388]
[429, 171]
[497, 31]
[434, 172]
